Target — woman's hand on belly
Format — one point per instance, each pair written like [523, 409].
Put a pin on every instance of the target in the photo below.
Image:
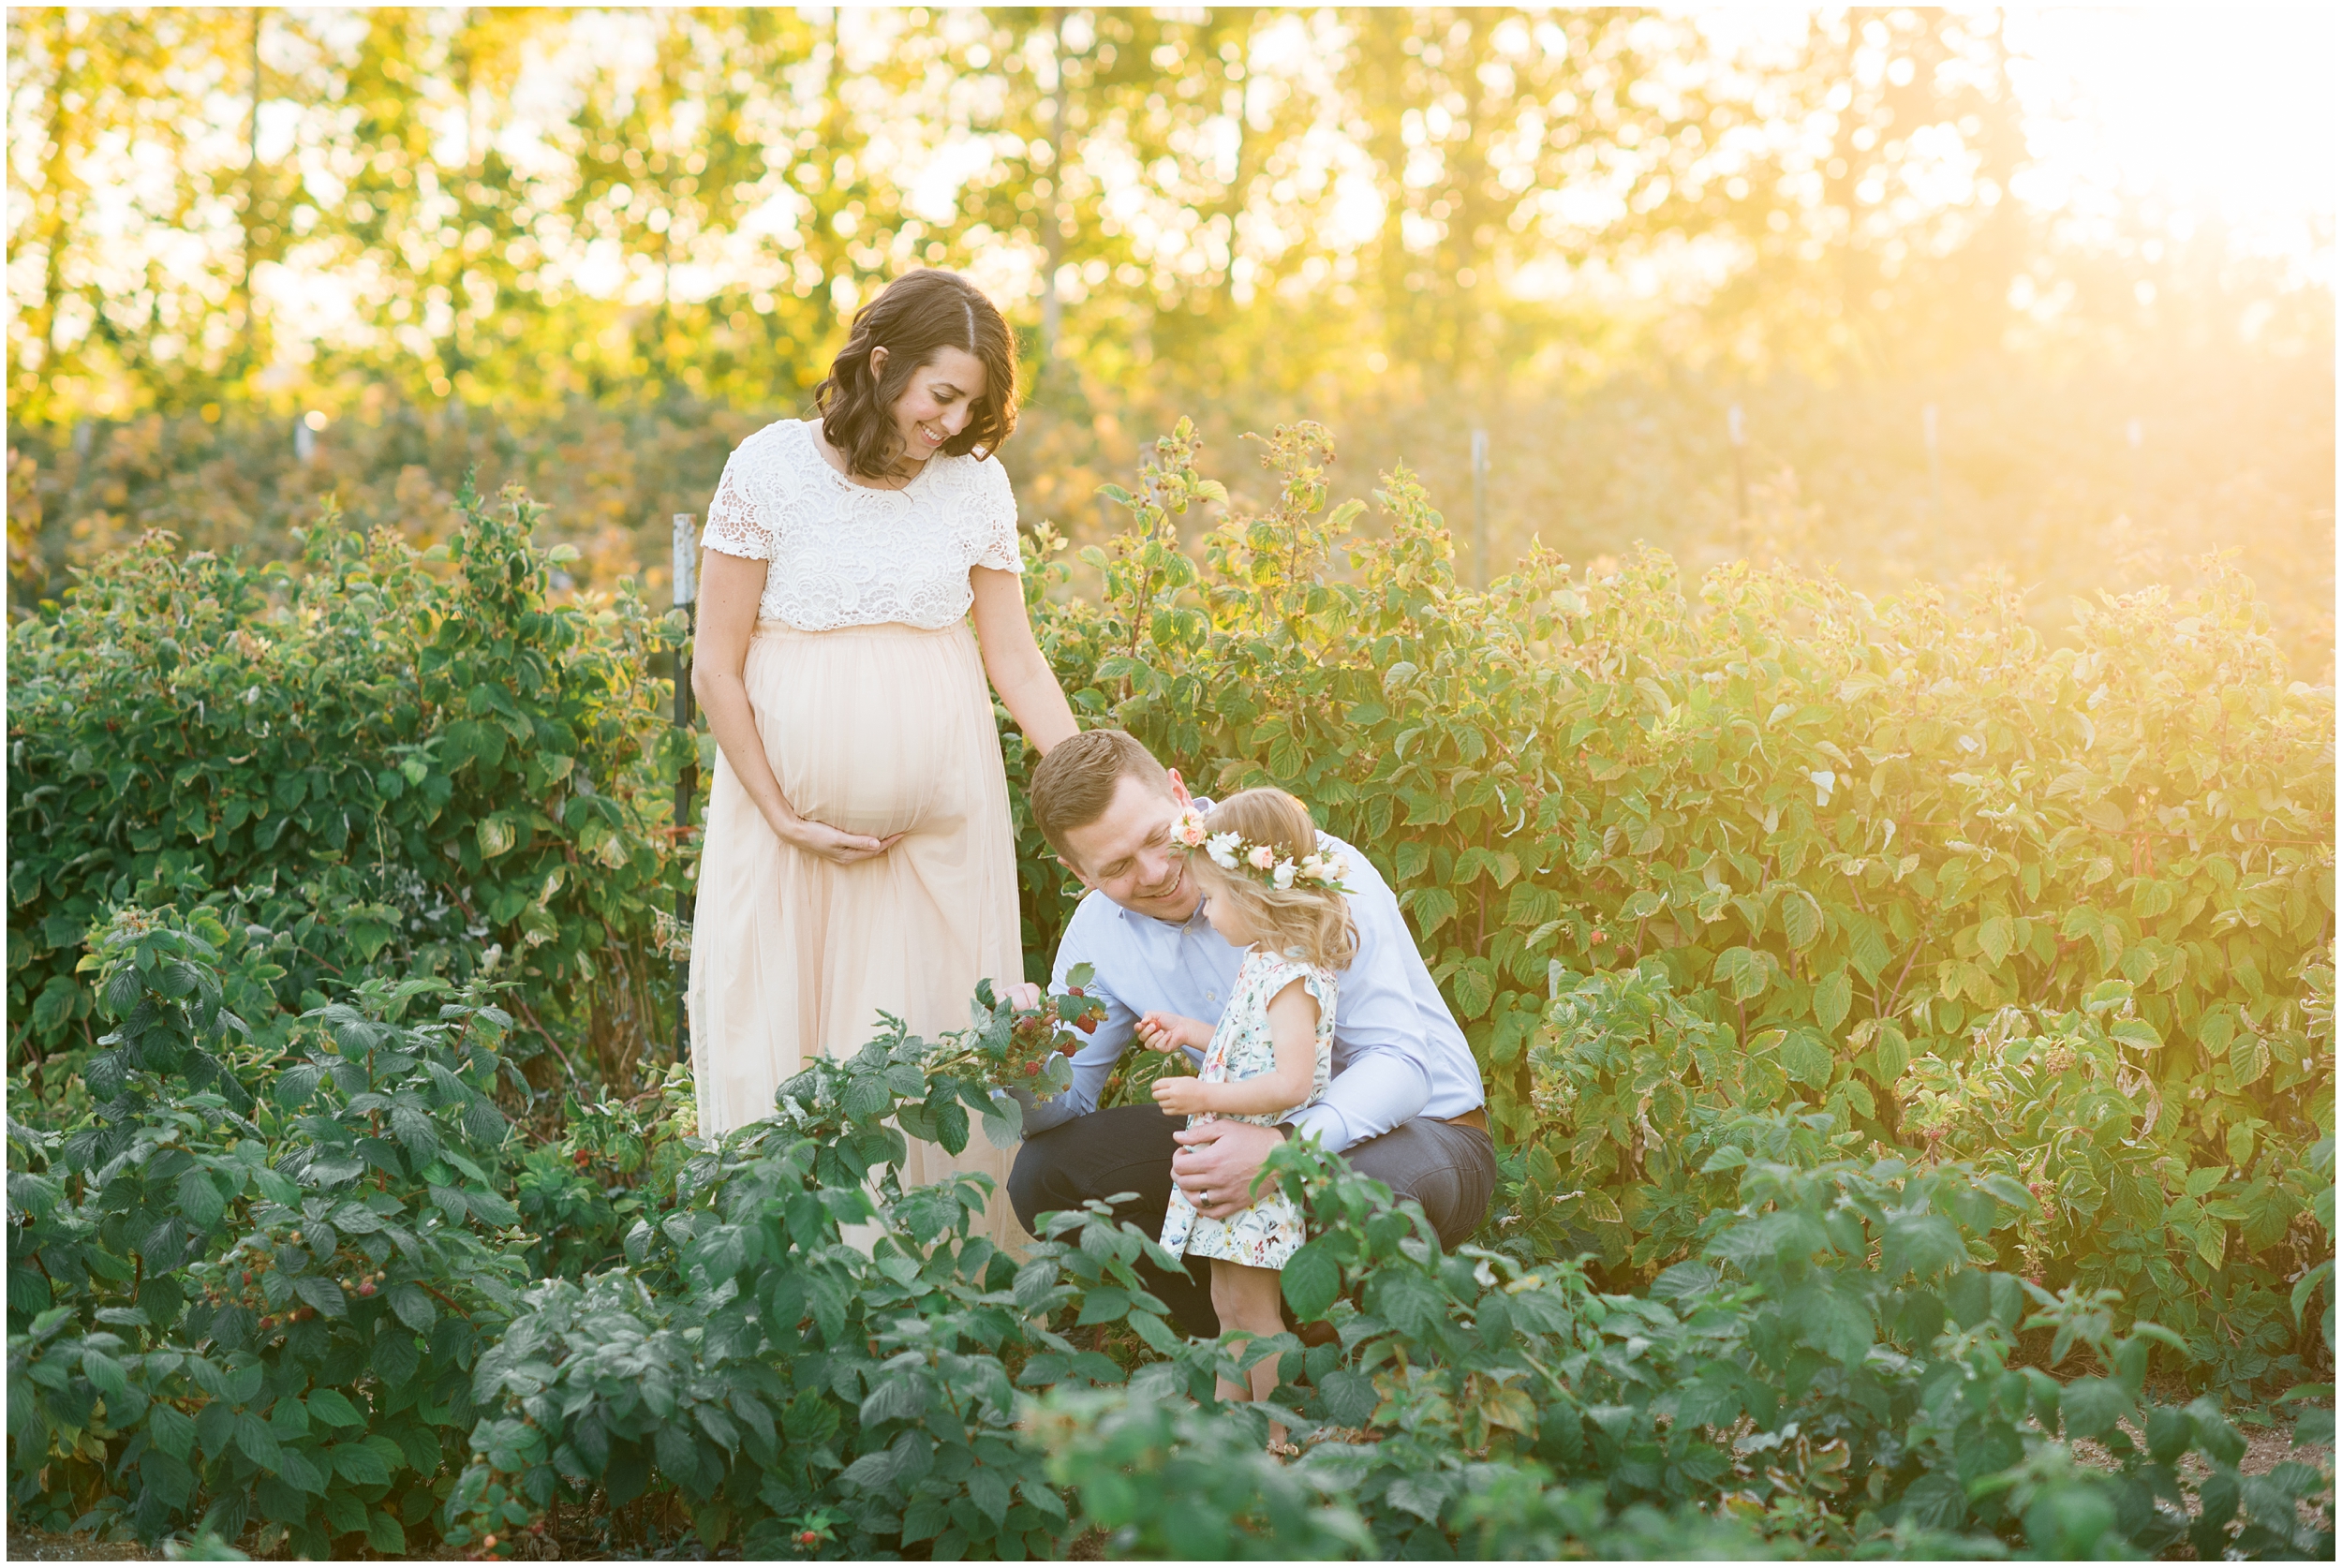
[838, 848]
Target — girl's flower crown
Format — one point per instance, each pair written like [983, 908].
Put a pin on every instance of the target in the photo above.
[1259, 862]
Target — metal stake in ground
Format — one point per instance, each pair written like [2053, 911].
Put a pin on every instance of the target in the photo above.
[1738, 428]
[687, 784]
[1934, 462]
[1480, 507]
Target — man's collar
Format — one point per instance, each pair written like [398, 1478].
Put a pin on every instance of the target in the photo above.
[1193, 915]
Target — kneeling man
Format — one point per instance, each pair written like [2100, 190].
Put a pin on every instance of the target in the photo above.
[1404, 1106]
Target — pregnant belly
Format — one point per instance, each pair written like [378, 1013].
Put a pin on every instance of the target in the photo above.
[868, 744]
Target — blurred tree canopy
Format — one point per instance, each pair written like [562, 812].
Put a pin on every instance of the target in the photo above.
[1586, 231]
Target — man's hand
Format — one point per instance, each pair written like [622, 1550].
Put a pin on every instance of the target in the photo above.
[1165, 1033]
[1216, 1163]
[1025, 995]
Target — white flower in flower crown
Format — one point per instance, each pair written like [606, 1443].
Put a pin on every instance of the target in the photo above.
[1187, 831]
[1283, 876]
[1325, 871]
[1222, 848]
[1261, 857]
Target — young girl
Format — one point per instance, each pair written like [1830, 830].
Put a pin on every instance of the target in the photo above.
[1267, 890]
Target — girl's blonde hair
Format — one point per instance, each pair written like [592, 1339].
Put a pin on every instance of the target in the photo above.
[1315, 921]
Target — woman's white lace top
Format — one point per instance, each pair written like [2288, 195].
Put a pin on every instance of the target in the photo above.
[845, 554]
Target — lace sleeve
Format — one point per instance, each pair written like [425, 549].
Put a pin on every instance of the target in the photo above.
[996, 520]
[736, 524]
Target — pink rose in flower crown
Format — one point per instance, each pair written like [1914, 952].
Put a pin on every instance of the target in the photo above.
[1261, 857]
[1187, 831]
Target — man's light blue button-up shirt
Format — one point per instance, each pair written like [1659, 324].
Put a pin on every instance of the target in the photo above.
[1398, 1052]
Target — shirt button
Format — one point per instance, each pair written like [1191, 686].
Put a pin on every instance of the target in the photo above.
[1211, 996]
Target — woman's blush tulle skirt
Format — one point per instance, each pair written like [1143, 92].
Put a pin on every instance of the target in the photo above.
[875, 730]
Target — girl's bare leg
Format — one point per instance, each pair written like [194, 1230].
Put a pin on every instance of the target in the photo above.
[1246, 1299]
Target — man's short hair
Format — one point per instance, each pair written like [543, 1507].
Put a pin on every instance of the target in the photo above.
[1074, 783]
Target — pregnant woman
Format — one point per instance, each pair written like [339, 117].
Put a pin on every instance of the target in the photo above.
[858, 854]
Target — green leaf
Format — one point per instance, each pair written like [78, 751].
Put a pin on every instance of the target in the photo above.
[334, 1409]
[258, 1443]
[2170, 1433]
[2092, 1406]
[321, 1294]
[1832, 999]
[989, 1491]
[1893, 1053]
[414, 1308]
[1312, 1280]
[1800, 919]
[1924, 1243]
[896, 1399]
[295, 1085]
[170, 1429]
[105, 1375]
[1474, 991]
[1744, 972]
[1158, 1335]
[1806, 1059]
[395, 1358]
[1004, 1124]
[867, 1095]
[300, 1472]
[1708, 1402]
[1103, 1303]
[1433, 908]
[1838, 1327]
[384, 1533]
[1935, 1501]
[200, 1199]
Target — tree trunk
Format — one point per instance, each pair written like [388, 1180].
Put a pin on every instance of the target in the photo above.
[252, 208]
[1052, 228]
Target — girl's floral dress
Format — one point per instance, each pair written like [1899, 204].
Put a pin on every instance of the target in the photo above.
[1271, 1231]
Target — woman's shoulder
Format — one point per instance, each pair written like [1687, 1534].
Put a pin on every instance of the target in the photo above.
[777, 451]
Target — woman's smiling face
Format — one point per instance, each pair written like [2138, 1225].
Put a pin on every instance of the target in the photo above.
[938, 402]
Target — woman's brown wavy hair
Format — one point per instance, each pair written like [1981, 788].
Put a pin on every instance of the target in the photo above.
[1312, 920]
[914, 318]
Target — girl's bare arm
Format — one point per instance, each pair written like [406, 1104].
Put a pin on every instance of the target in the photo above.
[1293, 1030]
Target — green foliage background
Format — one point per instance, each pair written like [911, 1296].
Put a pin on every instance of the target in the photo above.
[2075, 1000]
[1893, 911]
[226, 223]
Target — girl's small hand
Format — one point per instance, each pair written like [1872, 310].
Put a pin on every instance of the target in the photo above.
[1181, 1097]
[1165, 1033]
